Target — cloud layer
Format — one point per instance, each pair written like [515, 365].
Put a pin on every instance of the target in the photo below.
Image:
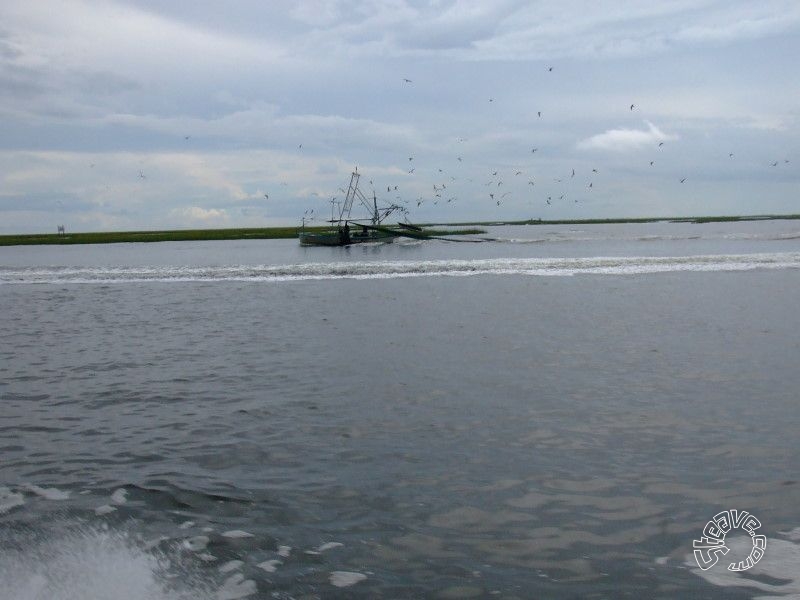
[129, 114]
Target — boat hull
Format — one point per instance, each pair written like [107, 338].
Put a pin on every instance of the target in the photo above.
[338, 238]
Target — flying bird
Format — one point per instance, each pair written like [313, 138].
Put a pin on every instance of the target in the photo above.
[539, 113]
[632, 105]
[407, 80]
[549, 68]
[684, 179]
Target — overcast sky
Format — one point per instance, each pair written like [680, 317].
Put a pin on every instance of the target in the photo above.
[147, 114]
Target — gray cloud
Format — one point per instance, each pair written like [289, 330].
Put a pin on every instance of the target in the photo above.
[219, 106]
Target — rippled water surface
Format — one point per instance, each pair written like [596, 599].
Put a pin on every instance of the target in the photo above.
[555, 413]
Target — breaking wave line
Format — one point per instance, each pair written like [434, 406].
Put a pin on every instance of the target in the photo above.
[598, 265]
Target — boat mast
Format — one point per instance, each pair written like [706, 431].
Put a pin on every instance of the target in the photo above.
[352, 190]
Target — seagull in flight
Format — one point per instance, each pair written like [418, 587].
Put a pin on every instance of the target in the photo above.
[632, 105]
[684, 179]
[407, 80]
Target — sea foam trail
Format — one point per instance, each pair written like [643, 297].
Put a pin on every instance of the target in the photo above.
[596, 265]
[94, 565]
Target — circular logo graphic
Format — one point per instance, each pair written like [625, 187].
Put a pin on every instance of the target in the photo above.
[712, 543]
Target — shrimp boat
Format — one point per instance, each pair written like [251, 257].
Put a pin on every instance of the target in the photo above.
[345, 230]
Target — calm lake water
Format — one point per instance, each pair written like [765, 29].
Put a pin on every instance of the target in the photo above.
[556, 413]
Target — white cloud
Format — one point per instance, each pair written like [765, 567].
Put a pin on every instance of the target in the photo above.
[103, 35]
[622, 140]
[204, 215]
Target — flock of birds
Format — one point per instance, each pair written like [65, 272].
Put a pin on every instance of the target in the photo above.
[443, 184]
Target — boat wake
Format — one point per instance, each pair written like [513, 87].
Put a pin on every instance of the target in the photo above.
[559, 267]
[93, 563]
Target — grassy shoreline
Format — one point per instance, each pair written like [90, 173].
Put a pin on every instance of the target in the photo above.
[260, 233]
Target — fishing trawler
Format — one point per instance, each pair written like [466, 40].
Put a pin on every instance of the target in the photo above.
[345, 230]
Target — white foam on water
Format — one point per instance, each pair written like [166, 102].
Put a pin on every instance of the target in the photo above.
[236, 586]
[148, 544]
[231, 565]
[558, 266]
[119, 496]
[93, 565]
[104, 510]
[329, 546]
[284, 551]
[270, 566]
[196, 543]
[187, 525]
[47, 493]
[346, 578]
[9, 500]
[236, 534]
